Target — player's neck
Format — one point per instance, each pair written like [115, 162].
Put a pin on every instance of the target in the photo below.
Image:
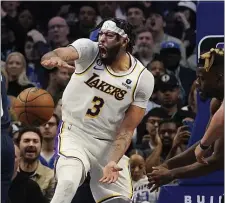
[48, 145]
[122, 63]
[28, 167]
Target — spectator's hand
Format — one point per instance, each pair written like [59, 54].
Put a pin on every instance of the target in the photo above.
[181, 18]
[56, 62]
[158, 140]
[181, 137]
[36, 36]
[110, 173]
[199, 154]
[159, 176]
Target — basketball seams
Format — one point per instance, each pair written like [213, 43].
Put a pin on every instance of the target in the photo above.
[28, 112]
[37, 97]
[33, 115]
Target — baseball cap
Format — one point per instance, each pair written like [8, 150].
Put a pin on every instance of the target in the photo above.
[170, 45]
[187, 4]
[167, 82]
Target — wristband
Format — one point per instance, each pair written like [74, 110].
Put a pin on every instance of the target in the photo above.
[203, 147]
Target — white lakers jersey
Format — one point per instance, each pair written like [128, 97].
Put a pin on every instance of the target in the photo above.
[96, 98]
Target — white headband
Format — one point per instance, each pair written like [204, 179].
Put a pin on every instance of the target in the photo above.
[111, 26]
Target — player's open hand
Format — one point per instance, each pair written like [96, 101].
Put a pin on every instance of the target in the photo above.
[199, 154]
[110, 173]
[56, 62]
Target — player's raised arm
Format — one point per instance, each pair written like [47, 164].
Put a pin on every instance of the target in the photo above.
[60, 58]
[82, 50]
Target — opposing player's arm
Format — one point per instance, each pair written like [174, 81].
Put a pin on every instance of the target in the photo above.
[215, 128]
[133, 116]
[215, 162]
[185, 158]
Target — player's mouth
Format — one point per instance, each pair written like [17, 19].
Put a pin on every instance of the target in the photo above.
[103, 51]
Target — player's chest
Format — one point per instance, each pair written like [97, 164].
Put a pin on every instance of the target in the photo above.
[102, 83]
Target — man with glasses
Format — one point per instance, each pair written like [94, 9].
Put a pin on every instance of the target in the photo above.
[49, 132]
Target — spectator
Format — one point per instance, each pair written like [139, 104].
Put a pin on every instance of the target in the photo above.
[156, 66]
[168, 94]
[30, 142]
[8, 44]
[58, 32]
[10, 7]
[26, 19]
[136, 15]
[58, 79]
[156, 24]
[86, 22]
[186, 17]
[171, 56]
[144, 46]
[148, 128]
[106, 9]
[58, 108]
[140, 181]
[49, 132]
[192, 99]
[22, 188]
[16, 70]
[164, 139]
[32, 49]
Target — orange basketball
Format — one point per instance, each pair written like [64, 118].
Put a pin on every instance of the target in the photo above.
[34, 106]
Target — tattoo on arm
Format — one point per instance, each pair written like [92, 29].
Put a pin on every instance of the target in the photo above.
[120, 145]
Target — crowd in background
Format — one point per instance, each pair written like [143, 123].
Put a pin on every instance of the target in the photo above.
[165, 43]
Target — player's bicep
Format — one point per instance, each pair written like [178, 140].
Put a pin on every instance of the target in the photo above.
[144, 89]
[86, 49]
[133, 117]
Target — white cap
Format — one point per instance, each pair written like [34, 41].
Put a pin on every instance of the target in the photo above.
[188, 4]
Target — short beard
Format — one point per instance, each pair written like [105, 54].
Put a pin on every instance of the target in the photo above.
[112, 55]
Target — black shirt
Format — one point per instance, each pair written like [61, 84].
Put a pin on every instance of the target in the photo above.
[15, 89]
[25, 190]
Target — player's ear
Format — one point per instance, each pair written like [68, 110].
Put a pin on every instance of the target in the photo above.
[124, 43]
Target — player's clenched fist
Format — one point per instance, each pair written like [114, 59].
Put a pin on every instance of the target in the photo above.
[110, 173]
[55, 62]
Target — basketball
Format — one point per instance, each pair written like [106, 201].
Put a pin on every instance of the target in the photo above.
[34, 106]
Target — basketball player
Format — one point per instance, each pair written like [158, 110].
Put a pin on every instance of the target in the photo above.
[7, 146]
[103, 103]
[210, 83]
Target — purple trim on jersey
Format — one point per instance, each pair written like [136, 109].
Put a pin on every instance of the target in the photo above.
[57, 137]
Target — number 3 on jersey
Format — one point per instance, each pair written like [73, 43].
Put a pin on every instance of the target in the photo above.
[95, 110]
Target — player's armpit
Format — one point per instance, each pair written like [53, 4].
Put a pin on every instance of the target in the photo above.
[124, 136]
